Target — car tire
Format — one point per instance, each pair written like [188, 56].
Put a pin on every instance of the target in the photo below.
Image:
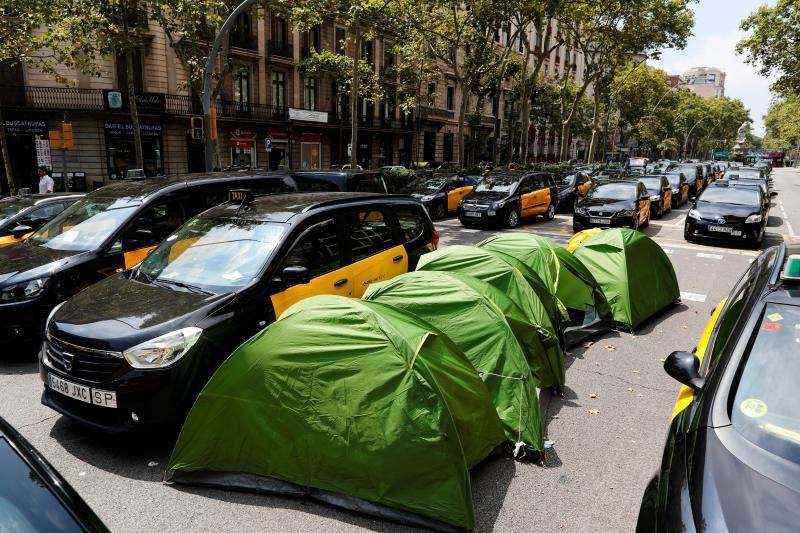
[550, 214]
[660, 211]
[646, 221]
[512, 218]
[439, 211]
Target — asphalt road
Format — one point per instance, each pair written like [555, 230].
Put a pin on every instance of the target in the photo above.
[594, 474]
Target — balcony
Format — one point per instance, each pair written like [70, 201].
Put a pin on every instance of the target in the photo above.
[244, 42]
[435, 114]
[486, 121]
[280, 49]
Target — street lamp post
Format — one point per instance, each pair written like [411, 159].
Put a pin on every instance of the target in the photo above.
[686, 140]
[210, 64]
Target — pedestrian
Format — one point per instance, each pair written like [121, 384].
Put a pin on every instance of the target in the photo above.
[45, 181]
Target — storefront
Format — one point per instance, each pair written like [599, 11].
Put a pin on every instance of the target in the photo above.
[28, 147]
[121, 152]
[243, 148]
[279, 151]
[310, 151]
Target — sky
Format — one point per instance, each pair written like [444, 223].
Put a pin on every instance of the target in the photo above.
[716, 32]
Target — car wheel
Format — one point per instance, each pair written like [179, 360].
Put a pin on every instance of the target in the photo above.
[551, 212]
[660, 210]
[512, 218]
[636, 224]
[439, 211]
[646, 221]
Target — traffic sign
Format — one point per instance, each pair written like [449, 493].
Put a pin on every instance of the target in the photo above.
[268, 144]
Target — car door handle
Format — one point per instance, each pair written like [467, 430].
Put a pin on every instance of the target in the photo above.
[340, 282]
[397, 258]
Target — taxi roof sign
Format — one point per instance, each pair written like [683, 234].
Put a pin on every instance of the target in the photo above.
[791, 271]
[241, 196]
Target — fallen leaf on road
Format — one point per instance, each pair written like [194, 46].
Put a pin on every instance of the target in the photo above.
[635, 371]
[555, 417]
[630, 389]
[610, 347]
[81, 473]
[587, 344]
[594, 411]
[662, 360]
[685, 327]
[593, 396]
[596, 363]
[151, 464]
[640, 395]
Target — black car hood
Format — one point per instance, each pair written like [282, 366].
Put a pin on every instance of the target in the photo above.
[23, 262]
[598, 204]
[118, 313]
[729, 495]
[709, 211]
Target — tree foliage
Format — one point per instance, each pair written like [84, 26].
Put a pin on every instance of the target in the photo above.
[782, 123]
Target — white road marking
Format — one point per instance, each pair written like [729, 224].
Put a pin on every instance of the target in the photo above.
[693, 297]
[786, 219]
[467, 230]
[679, 223]
[709, 256]
[668, 250]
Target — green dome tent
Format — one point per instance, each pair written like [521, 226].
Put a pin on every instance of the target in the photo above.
[517, 282]
[490, 329]
[564, 276]
[355, 403]
[634, 273]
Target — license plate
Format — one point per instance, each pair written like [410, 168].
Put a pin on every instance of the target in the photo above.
[102, 398]
[721, 229]
[472, 214]
[600, 221]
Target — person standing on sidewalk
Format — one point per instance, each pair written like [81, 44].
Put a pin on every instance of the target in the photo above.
[45, 181]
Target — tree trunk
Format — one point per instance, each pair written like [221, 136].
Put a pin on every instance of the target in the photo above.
[354, 99]
[462, 112]
[137, 133]
[566, 120]
[595, 128]
[563, 152]
[12, 188]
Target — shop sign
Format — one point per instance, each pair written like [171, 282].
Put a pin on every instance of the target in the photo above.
[154, 103]
[278, 135]
[43, 158]
[306, 115]
[243, 143]
[26, 127]
[243, 133]
[311, 138]
[125, 129]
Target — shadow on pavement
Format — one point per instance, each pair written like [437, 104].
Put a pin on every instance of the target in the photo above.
[655, 321]
[490, 482]
[774, 222]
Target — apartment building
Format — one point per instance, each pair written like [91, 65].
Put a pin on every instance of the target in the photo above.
[269, 115]
[708, 82]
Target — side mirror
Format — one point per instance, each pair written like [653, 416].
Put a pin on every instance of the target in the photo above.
[773, 193]
[20, 231]
[684, 367]
[295, 275]
[139, 239]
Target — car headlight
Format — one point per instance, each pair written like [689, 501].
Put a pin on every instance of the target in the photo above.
[23, 291]
[581, 210]
[626, 213]
[427, 198]
[655, 198]
[162, 351]
[752, 219]
[498, 205]
[693, 214]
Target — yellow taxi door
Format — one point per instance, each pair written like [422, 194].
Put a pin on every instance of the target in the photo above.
[459, 189]
[375, 253]
[527, 197]
[319, 250]
[541, 196]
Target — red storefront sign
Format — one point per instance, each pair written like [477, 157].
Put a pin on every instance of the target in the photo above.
[243, 133]
[243, 143]
[278, 135]
[311, 138]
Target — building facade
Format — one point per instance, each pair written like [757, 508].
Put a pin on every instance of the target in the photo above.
[708, 82]
[269, 115]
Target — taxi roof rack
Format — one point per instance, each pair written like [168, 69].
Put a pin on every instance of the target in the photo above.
[791, 269]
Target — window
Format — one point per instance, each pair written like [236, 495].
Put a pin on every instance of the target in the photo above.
[366, 183]
[310, 93]
[367, 49]
[279, 89]
[429, 146]
[368, 232]
[318, 249]
[340, 37]
[122, 72]
[431, 89]
[412, 225]
[447, 147]
[306, 184]
[279, 32]
[161, 219]
[241, 89]
[451, 96]
[241, 33]
[36, 218]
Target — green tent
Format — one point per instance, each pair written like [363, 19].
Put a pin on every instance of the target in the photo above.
[564, 275]
[519, 283]
[352, 402]
[634, 272]
[490, 329]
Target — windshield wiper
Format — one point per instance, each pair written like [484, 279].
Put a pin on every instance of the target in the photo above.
[182, 285]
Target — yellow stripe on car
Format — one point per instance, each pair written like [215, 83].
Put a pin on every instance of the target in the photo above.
[10, 239]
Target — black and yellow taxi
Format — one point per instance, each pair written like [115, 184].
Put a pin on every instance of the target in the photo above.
[732, 457]
[105, 232]
[613, 203]
[660, 193]
[440, 194]
[726, 213]
[572, 187]
[21, 215]
[508, 198]
[680, 187]
[133, 351]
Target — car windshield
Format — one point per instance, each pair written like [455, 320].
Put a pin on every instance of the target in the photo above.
[213, 255]
[85, 225]
[11, 206]
[564, 181]
[652, 184]
[497, 184]
[765, 410]
[743, 173]
[26, 504]
[366, 183]
[613, 191]
[674, 179]
[427, 184]
[730, 195]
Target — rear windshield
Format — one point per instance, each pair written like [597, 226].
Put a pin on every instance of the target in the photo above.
[25, 502]
[766, 410]
[730, 195]
[368, 183]
[651, 183]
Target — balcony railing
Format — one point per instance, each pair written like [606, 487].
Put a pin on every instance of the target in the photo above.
[245, 42]
[280, 49]
[428, 113]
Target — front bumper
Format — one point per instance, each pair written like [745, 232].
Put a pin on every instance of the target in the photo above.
[581, 222]
[485, 215]
[739, 233]
[23, 322]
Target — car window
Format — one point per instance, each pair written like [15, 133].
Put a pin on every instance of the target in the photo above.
[40, 215]
[765, 409]
[368, 232]
[162, 219]
[318, 249]
[306, 184]
[368, 183]
[412, 223]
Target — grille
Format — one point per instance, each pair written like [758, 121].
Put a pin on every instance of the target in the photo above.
[84, 363]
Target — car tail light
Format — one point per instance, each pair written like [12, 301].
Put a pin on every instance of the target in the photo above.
[435, 238]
